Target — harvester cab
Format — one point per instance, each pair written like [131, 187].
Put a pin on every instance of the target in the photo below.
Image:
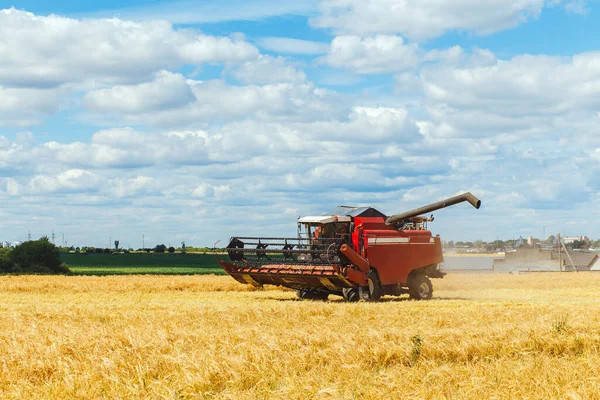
[354, 252]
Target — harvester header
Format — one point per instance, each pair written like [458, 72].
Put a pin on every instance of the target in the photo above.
[354, 252]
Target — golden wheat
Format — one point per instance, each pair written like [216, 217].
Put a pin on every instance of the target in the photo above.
[531, 336]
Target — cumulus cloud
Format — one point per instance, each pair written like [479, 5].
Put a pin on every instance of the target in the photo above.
[422, 20]
[134, 186]
[72, 180]
[167, 90]
[9, 186]
[23, 107]
[527, 94]
[49, 51]
[371, 125]
[267, 69]
[128, 148]
[372, 55]
[216, 100]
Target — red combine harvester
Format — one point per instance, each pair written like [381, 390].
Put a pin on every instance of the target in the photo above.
[354, 252]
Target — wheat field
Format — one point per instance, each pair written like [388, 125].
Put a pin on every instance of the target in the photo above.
[534, 336]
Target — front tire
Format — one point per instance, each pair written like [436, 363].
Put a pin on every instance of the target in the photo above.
[375, 290]
[420, 288]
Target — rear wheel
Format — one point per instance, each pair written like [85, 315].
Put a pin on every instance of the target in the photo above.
[420, 288]
[350, 294]
[305, 294]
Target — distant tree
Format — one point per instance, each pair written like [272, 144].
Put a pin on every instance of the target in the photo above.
[6, 264]
[38, 256]
[171, 249]
[498, 245]
[161, 248]
[107, 251]
[579, 244]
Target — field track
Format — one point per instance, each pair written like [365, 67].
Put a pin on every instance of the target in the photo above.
[533, 336]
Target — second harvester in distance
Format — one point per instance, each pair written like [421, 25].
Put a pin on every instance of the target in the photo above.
[354, 252]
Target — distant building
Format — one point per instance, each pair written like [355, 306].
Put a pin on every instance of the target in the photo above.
[5, 244]
[17, 243]
[571, 239]
[536, 259]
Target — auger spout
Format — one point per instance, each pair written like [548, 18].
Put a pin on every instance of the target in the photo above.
[398, 218]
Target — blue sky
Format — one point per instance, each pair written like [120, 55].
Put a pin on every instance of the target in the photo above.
[199, 120]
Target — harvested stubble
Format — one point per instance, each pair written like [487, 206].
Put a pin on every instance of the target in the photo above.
[483, 336]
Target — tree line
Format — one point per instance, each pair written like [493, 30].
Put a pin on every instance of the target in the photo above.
[160, 248]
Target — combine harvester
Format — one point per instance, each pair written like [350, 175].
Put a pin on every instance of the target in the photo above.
[354, 252]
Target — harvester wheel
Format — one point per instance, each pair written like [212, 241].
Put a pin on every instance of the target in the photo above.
[309, 295]
[350, 294]
[420, 288]
[375, 290]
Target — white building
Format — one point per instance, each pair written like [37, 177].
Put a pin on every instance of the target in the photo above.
[571, 239]
[5, 244]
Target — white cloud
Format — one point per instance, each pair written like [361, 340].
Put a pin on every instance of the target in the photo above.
[526, 94]
[421, 20]
[580, 7]
[268, 69]
[9, 186]
[217, 100]
[72, 180]
[167, 90]
[292, 46]
[127, 148]
[129, 187]
[46, 51]
[23, 107]
[371, 125]
[372, 55]
[203, 190]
